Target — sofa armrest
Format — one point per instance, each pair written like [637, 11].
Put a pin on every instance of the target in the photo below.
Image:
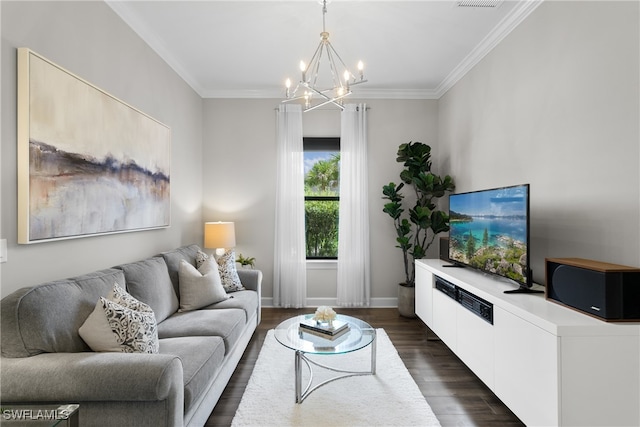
[87, 376]
[251, 279]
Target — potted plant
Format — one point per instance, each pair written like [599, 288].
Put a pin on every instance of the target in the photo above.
[246, 261]
[416, 226]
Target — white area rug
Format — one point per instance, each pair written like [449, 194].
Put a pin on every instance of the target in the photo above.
[389, 398]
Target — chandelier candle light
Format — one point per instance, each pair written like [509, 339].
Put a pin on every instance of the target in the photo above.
[310, 90]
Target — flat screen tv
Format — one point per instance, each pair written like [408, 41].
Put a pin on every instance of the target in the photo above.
[489, 231]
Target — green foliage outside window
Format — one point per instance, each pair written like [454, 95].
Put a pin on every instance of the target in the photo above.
[322, 228]
[324, 178]
[321, 208]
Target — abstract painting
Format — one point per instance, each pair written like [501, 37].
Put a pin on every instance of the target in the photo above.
[88, 163]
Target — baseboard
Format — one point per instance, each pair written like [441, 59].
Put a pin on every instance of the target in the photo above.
[316, 302]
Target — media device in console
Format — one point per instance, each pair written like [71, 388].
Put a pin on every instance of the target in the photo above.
[448, 288]
[468, 300]
[476, 305]
[489, 231]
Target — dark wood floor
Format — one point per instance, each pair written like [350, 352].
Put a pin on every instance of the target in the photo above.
[456, 395]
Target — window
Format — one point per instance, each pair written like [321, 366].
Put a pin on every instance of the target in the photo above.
[321, 196]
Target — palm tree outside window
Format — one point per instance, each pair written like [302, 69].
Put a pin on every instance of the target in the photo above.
[322, 190]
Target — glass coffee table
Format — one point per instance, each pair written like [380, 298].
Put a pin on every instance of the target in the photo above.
[359, 336]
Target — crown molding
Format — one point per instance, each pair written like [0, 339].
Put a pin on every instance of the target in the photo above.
[243, 93]
[373, 93]
[361, 93]
[152, 40]
[508, 24]
[502, 30]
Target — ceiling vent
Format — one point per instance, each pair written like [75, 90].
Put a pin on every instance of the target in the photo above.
[479, 3]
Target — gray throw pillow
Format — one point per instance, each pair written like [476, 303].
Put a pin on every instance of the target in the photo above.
[200, 287]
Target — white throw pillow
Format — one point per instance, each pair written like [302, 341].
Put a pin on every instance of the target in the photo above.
[116, 328]
[200, 287]
[228, 272]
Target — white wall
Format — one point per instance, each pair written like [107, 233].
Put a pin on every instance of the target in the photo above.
[556, 104]
[1, 234]
[90, 40]
[239, 157]
[223, 151]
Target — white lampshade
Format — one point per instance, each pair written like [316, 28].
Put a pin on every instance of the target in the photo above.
[219, 235]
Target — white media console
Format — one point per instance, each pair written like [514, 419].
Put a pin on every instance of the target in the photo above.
[552, 366]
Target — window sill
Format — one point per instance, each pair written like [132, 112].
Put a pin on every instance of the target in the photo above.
[322, 264]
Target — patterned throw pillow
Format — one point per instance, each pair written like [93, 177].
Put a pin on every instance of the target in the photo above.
[119, 326]
[201, 257]
[228, 272]
[122, 297]
[135, 331]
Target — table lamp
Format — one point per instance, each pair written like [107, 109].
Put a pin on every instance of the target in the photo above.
[219, 236]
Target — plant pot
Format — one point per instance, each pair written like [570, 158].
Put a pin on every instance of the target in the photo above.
[406, 300]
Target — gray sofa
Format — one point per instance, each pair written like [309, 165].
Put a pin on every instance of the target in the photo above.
[44, 360]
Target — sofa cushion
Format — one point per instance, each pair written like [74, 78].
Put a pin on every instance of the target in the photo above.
[46, 318]
[172, 259]
[200, 287]
[245, 300]
[201, 359]
[148, 281]
[227, 324]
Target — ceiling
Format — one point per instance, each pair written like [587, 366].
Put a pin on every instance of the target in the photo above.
[246, 49]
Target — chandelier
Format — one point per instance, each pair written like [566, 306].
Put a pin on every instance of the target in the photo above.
[315, 89]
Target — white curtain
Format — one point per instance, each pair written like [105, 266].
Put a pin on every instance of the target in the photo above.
[354, 280]
[289, 270]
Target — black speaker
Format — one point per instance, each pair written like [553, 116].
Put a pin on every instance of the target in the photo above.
[444, 248]
[610, 292]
